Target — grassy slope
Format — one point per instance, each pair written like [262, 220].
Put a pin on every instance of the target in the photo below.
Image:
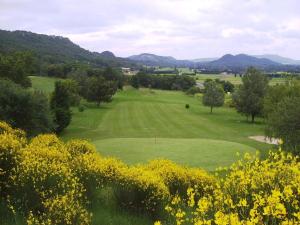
[45, 84]
[180, 133]
[127, 128]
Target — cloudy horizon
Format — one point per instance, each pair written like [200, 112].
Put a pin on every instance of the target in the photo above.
[184, 29]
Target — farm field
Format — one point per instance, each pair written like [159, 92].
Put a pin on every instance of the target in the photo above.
[230, 77]
[140, 125]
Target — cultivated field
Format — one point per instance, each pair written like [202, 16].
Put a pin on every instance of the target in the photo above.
[144, 124]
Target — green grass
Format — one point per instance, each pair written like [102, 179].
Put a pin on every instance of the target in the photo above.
[127, 128]
[230, 77]
[45, 84]
[181, 150]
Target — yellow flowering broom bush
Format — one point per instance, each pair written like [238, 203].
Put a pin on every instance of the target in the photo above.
[253, 192]
[178, 178]
[47, 181]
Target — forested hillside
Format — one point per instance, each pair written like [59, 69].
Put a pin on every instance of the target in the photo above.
[55, 49]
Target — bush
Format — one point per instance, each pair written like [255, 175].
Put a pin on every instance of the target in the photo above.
[187, 106]
[253, 192]
[25, 109]
[193, 90]
[81, 108]
[47, 181]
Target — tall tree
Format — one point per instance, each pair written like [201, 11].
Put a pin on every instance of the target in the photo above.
[249, 98]
[213, 95]
[282, 110]
[100, 90]
[60, 105]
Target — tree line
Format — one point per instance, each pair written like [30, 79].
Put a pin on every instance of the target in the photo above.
[164, 82]
[34, 111]
[279, 105]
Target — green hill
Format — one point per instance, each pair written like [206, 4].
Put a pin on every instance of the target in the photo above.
[56, 49]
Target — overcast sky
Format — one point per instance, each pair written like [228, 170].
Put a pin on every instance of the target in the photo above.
[185, 29]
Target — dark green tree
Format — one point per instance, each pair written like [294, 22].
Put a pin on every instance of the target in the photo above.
[249, 98]
[17, 67]
[134, 81]
[60, 105]
[213, 95]
[284, 123]
[100, 90]
[282, 110]
[25, 109]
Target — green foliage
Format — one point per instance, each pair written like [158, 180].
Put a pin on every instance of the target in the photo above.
[50, 49]
[81, 108]
[60, 105]
[249, 98]
[134, 81]
[213, 95]
[164, 82]
[100, 90]
[112, 74]
[282, 110]
[17, 67]
[193, 90]
[227, 85]
[24, 109]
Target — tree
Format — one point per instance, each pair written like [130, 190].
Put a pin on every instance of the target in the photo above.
[213, 95]
[60, 105]
[25, 109]
[249, 98]
[113, 74]
[100, 90]
[17, 67]
[284, 123]
[282, 110]
[134, 81]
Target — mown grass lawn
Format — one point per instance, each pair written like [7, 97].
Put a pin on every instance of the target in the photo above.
[140, 125]
[127, 128]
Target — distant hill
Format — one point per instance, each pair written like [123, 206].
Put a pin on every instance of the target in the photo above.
[107, 54]
[203, 60]
[56, 49]
[280, 59]
[240, 62]
[156, 60]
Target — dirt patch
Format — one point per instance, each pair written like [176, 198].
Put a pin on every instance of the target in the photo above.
[272, 141]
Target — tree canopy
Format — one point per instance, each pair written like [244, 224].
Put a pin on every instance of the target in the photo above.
[249, 98]
[213, 95]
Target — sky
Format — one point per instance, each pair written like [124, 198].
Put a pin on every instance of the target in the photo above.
[184, 29]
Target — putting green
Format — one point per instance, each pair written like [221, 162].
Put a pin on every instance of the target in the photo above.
[204, 153]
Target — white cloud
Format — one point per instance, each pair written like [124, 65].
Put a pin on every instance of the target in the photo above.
[182, 28]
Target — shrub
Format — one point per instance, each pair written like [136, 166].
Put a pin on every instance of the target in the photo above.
[81, 108]
[253, 192]
[25, 109]
[193, 90]
[187, 106]
[179, 178]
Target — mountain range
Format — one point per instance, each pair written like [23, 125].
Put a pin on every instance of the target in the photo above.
[56, 49]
